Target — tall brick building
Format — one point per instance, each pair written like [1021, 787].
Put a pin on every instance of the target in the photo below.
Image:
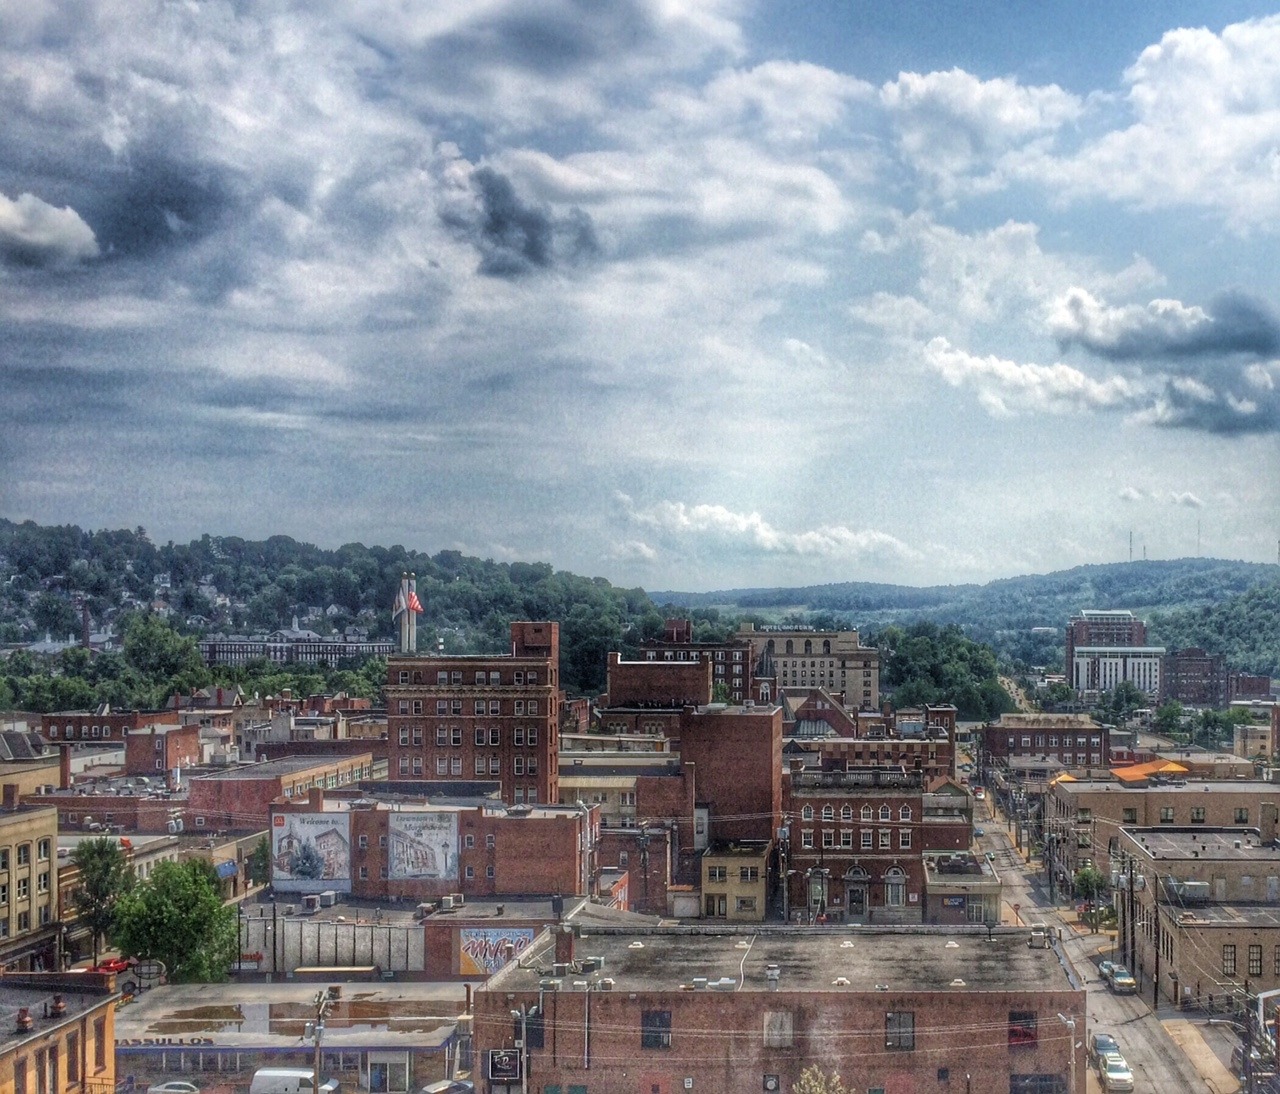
[490, 716]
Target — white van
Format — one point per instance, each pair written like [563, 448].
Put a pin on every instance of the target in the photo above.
[288, 1080]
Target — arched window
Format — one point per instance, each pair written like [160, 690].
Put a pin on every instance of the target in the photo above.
[904, 813]
[769, 645]
[846, 814]
[808, 646]
[807, 813]
[826, 646]
[828, 813]
[866, 812]
[885, 813]
[895, 887]
[790, 646]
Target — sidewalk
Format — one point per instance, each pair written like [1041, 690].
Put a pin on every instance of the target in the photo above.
[1186, 1035]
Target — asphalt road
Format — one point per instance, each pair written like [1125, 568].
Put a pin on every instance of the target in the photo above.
[1158, 1062]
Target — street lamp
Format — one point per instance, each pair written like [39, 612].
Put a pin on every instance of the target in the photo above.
[322, 1002]
[522, 1016]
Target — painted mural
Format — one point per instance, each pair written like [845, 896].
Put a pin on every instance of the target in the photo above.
[423, 845]
[311, 852]
[482, 950]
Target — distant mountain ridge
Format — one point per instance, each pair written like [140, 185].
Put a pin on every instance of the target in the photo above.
[1190, 601]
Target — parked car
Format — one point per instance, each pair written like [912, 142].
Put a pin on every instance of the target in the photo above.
[1114, 1073]
[979, 832]
[173, 1087]
[1101, 1044]
[1104, 969]
[1122, 982]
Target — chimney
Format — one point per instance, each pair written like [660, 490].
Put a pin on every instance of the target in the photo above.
[564, 945]
[64, 767]
[59, 1007]
[1268, 820]
[11, 795]
[24, 1021]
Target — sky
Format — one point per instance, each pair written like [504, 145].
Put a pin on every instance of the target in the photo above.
[685, 295]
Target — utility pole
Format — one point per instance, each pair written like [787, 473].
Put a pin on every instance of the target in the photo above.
[322, 1001]
[522, 1016]
[1070, 1023]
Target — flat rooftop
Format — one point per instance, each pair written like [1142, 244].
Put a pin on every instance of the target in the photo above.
[1178, 786]
[274, 769]
[920, 959]
[1229, 915]
[1230, 844]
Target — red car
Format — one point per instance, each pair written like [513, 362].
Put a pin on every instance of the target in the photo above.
[114, 964]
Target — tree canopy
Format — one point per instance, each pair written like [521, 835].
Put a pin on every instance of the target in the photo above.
[105, 876]
[177, 916]
[925, 663]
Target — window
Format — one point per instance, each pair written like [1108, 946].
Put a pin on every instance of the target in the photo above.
[495, 736]
[866, 840]
[828, 837]
[73, 1057]
[495, 708]
[480, 736]
[382, 840]
[363, 842]
[455, 707]
[471, 872]
[495, 765]
[442, 707]
[417, 706]
[895, 887]
[24, 921]
[806, 838]
[1255, 960]
[24, 888]
[417, 765]
[749, 873]
[442, 765]
[489, 840]
[1197, 814]
[1242, 816]
[866, 813]
[480, 765]
[24, 854]
[655, 1029]
[468, 840]
[20, 1076]
[886, 837]
[1276, 967]
[480, 707]
[531, 766]
[531, 678]
[489, 872]
[846, 813]
[1166, 814]
[1022, 1028]
[42, 882]
[519, 706]
[531, 735]
[846, 837]
[1228, 960]
[455, 737]
[828, 813]
[720, 873]
[807, 813]
[904, 814]
[99, 1043]
[533, 706]
[900, 1030]
[518, 736]
[519, 765]
[455, 765]
[442, 736]
[885, 812]
[404, 735]
[1130, 816]
[904, 837]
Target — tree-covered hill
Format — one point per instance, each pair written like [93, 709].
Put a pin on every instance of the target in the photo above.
[1245, 628]
[1003, 613]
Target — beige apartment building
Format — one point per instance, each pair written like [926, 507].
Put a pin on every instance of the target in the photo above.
[1083, 819]
[735, 880]
[832, 660]
[28, 884]
[1197, 912]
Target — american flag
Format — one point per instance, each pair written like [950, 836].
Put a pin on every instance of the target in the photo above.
[415, 605]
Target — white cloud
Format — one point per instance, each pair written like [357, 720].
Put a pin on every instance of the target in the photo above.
[1006, 387]
[750, 531]
[1187, 499]
[1205, 129]
[37, 233]
[1131, 493]
[956, 129]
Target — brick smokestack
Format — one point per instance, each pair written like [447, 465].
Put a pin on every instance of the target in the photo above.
[64, 767]
[11, 795]
[564, 944]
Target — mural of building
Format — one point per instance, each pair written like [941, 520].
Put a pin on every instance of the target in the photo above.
[423, 845]
[310, 852]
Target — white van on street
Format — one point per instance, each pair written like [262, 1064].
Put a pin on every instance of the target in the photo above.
[288, 1080]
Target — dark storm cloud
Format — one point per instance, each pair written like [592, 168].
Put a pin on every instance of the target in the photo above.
[1233, 323]
[1248, 403]
[555, 40]
[516, 238]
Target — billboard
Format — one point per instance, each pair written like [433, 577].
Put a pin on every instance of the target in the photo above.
[482, 950]
[310, 852]
[423, 845]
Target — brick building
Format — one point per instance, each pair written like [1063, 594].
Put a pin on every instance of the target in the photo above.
[239, 798]
[629, 1010]
[1084, 818]
[1198, 925]
[492, 716]
[730, 662]
[800, 657]
[399, 850]
[61, 1032]
[101, 725]
[1194, 677]
[159, 749]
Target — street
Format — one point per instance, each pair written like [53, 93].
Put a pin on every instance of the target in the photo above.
[1168, 1051]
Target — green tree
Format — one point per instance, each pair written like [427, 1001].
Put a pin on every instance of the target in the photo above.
[1090, 882]
[816, 1080]
[177, 916]
[105, 876]
[260, 863]
[1168, 719]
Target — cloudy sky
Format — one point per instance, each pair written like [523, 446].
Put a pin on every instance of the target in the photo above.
[687, 295]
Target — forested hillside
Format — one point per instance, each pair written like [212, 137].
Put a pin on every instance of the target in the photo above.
[1003, 613]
